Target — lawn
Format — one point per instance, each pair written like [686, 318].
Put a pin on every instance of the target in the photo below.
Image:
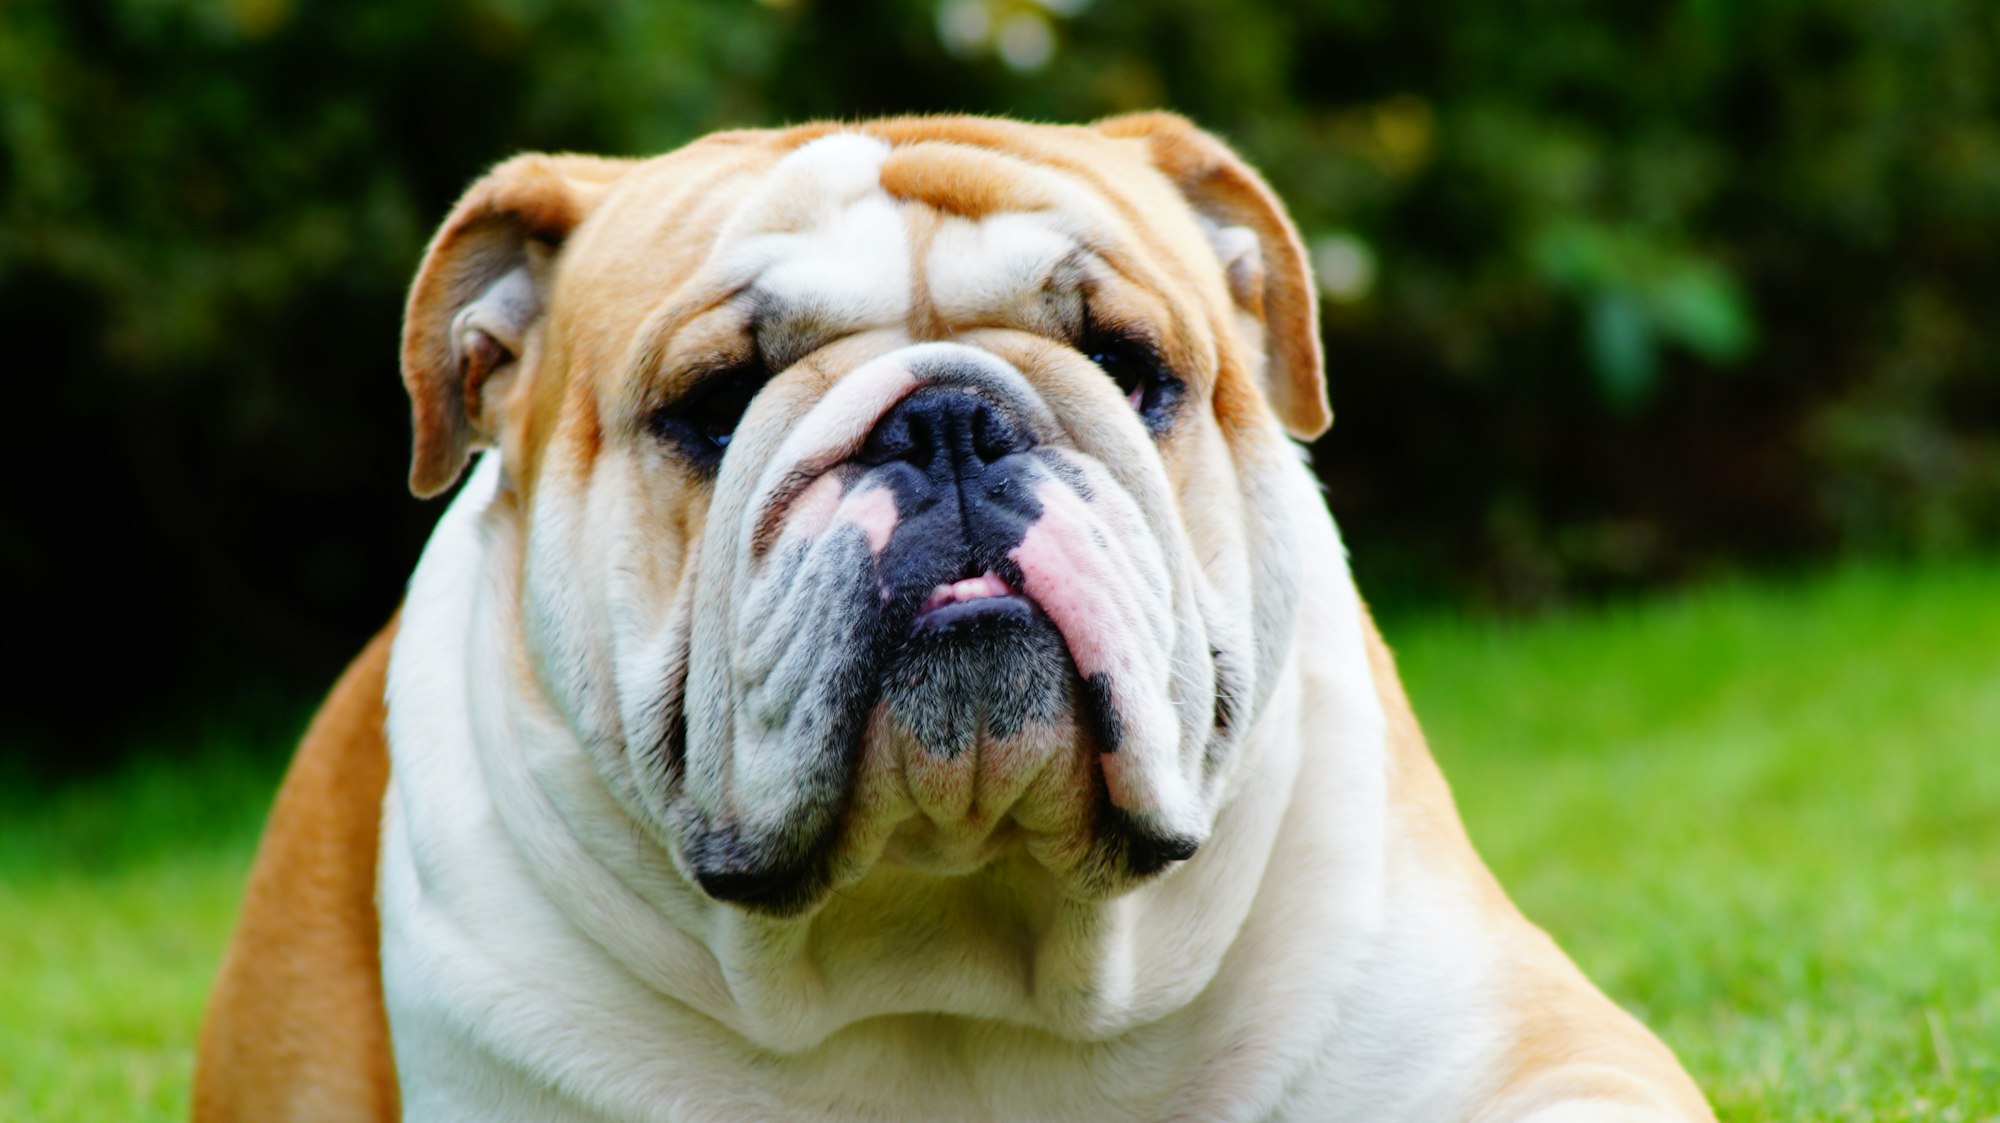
[116, 898]
[1764, 816]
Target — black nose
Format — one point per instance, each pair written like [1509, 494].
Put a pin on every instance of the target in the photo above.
[944, 430]
[965, 493]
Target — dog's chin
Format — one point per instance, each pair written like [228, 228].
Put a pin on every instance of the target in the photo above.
[977, 703]
[976, 673]
[977, 741]
[972, 751]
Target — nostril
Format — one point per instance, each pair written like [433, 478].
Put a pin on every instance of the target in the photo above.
[893, 439]
[960, 424]
[992, 436]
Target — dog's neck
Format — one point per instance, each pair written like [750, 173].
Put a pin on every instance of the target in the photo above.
[518, 839]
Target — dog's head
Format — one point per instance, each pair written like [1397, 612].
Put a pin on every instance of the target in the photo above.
[913, 493]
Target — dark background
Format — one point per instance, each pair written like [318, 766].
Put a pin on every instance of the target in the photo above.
[1618, 295]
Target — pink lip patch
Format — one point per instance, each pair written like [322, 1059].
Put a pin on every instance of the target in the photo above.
[874, 511]
[985, 585]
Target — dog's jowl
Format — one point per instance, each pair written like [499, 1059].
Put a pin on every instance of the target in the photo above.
[886, 659]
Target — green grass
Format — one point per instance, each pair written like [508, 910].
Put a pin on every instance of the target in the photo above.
[116, 898]
[1765, 817]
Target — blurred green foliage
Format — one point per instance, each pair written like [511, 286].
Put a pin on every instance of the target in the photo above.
[1615, 293]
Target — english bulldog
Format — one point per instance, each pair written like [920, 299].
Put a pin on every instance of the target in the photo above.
[888, 660]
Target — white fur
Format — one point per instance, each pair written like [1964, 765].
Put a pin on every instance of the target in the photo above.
[820, 232]
[976, 270]
[537, 972]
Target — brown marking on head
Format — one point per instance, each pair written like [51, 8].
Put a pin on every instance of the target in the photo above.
[924, 320]
[959, 179]
[1276, 286]
[640, 261]
[511, 221]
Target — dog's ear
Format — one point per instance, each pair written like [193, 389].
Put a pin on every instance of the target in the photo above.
[479, 294]
[1262, 257]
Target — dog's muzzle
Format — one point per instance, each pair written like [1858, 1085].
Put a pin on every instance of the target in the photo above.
[914, 668]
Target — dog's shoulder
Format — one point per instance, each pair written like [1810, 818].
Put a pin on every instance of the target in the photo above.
[1574, 1053]
[295, 1026]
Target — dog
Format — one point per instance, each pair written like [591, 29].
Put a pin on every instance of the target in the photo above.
[887, 660]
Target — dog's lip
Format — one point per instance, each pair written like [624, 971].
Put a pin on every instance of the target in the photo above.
[973, 598]
[986, 585]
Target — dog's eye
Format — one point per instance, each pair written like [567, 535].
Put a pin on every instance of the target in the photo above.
[1138, 371]
[704, 421]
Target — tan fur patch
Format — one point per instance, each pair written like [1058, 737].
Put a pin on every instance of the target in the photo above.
[295, 1026]
[1570, 1040]
[956, 179]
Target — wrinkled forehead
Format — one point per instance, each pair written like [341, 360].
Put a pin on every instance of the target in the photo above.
[819, 236]
[849, 232]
